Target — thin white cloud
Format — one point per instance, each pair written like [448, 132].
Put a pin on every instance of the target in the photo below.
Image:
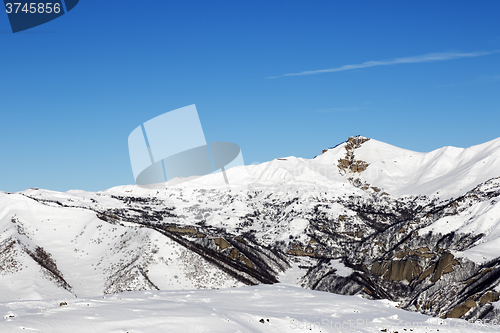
[431, 57]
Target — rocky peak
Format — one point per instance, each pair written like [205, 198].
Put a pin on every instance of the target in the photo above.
[352, 142]
[349, 163]
[355, 142]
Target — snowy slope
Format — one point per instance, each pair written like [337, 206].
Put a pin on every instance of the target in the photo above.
[479, 218]
[275, 308]
[92, 256]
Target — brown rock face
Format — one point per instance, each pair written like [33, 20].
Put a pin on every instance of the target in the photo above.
[444, 266]
[187, 231]
[410, 269]
[296, 250]
[234, 254]
[221, 243]
[461, 309]
[355, 142]
[352, 165]
[398, 270]
[237, 255]
[427, 272]
[491, 296]
[349, 163]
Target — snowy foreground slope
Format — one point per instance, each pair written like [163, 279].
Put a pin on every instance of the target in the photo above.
[264, 308]
[363, 218]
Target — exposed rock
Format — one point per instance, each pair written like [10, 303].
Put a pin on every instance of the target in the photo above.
[349, 163]
[355, 142]
[221, 243]
[427, 272]
[444, 266]
[398, 270]
[490, 296]
[461, 310]
[188, 231]
[297, 250]
[237, 255]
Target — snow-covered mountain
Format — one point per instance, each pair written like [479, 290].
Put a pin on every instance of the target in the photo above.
[446, 172]
[363, 218]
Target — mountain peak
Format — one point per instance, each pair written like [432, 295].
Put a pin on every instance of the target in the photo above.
[355, 142]
[352, 142]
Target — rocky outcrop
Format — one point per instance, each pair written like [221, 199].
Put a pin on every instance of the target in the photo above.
[349, 163]
[489, 297]
[444, 265]
[398, 270]
[296, 249]
[221, 243]
[460, 310]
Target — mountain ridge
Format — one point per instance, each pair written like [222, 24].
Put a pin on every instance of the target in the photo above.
[398, 171]
[327, 224]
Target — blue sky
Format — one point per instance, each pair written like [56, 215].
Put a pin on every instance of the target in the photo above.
[416, 74]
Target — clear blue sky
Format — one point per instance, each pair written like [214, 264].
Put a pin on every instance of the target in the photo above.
[72, 90]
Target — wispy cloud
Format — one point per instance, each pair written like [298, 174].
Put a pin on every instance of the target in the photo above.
[431, 57]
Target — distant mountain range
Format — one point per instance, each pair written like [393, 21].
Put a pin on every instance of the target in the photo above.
[364, 217]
